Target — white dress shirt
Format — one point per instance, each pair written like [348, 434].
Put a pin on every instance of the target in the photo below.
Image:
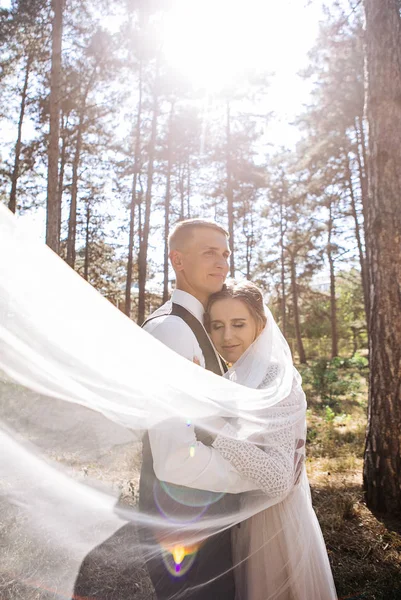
[177, 455]
[174, 332]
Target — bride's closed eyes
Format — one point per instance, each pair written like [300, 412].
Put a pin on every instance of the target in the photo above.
[217, 325]
[232, 327]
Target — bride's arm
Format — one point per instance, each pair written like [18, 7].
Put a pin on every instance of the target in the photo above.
[275, 469]
[179, 458]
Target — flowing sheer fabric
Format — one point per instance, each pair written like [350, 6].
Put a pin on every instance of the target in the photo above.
[279, 552]
[79, 384]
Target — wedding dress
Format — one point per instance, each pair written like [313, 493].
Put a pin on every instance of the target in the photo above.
[279, 552]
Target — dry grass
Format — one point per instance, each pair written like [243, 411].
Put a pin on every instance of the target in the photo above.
[364, 549]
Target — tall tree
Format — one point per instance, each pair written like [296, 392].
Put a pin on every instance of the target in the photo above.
[134, 199]
[382, 466]
[167, 199]
[229, 186]
[12, 204]
[330, 255]
[53, 210]
[145, 229]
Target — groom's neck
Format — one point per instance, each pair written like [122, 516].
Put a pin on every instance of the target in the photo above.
[185, 287]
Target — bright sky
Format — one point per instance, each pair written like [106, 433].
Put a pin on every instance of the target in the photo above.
[212, 42]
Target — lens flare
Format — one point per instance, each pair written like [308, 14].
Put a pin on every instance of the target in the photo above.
[178, 559]
[171, 508]
[191, 497]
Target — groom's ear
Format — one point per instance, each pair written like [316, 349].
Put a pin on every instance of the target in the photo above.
[176, 259]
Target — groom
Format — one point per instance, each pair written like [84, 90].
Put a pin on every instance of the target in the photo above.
[199, 253]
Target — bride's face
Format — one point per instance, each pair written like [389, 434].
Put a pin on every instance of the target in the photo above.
[232, 328]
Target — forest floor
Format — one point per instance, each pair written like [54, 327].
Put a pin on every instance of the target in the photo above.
[364, 549]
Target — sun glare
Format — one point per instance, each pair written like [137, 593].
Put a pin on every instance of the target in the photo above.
[213, 42]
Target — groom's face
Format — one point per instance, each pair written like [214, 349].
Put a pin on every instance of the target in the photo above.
[202, 263]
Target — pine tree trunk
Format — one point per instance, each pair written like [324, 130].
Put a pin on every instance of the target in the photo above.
[249, 239]
[297, 323]
[53, 211]
[143, 249]
[60, 185]
[86, 261]
[382, 465]
[12, 204]
[362, 258]
[167, 203]
[137, 160]
[362, 166]
[333, 301]
[282, 258]
[229, 190]
[130, 259]
[189, 188]
[248, 258]
[72, 221]
[181, 187]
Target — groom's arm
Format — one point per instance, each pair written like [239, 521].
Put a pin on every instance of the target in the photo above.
[177, 455]
[179, 458]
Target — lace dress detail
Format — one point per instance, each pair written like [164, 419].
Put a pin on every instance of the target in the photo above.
[277, 466]
[271, 374]
[272, 470]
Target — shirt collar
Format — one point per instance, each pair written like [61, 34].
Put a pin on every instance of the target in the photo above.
[189, 302]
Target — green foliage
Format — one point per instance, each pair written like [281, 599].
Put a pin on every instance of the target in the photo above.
[329, 414]
[329, 380]
[351, 309]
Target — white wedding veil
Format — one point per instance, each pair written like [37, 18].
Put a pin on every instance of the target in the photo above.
[79, 384]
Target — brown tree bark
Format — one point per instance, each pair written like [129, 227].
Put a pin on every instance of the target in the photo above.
[181, 188]
[382, 464]
[189, 188]
[87, 235]
[72, 221]
[137, 162]
[143, 248]
[12, 204]
[361, 156]
[248, 230]
[363, 166]
[282, 260]
[362, 257]
[333, 301]
[53, 211]
[229, 190]
[167, 202]
[63, 157]
[297, 322]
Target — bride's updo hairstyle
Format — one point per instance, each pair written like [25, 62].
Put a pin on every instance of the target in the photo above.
[248, 293]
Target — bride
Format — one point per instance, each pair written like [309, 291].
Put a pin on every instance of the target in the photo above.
[279, 553]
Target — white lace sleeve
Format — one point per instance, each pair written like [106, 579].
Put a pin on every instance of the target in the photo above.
[271, 374]
[277, 467]
[272, 470]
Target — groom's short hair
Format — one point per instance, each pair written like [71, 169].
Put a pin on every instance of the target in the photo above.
[183, 230]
